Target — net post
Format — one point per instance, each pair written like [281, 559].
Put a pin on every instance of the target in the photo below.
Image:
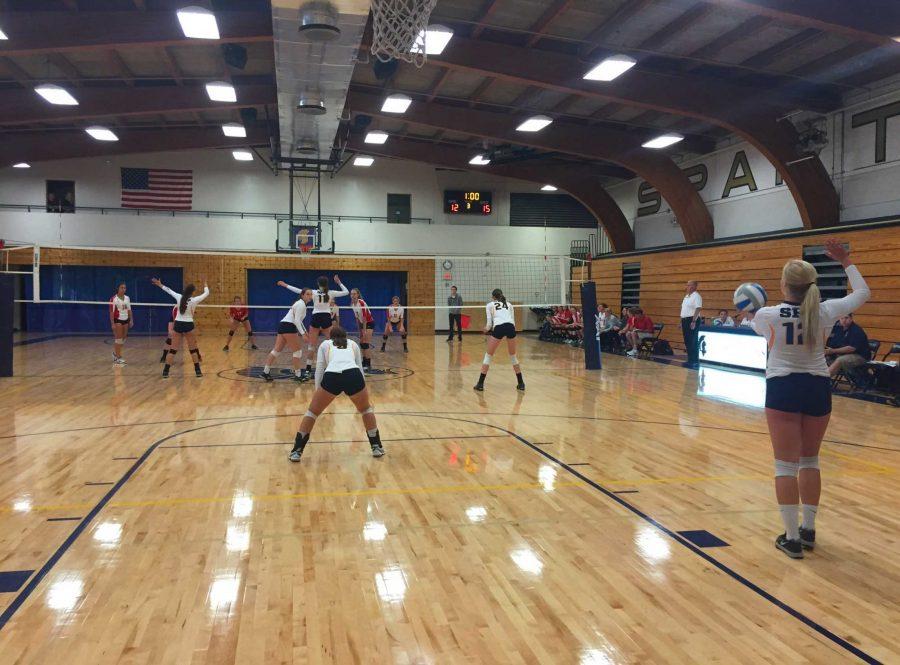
[36, 274]
[563, 280]
[7, 289]
[589, 321]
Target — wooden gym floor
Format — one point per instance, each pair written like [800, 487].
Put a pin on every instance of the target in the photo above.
[160, 522]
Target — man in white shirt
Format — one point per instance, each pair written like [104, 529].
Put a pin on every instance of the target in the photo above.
[690, 321]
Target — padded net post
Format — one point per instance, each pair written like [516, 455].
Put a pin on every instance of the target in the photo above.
[399, 29]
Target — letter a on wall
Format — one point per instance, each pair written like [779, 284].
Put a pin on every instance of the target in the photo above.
[746, 178]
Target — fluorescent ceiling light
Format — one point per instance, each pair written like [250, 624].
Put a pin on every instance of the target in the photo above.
[396, 104]
[548, 188]
[663, 141]
[611, 68]
[56, 95]
[3, 35]
[242, 155]
[234, 129]
[219, 91]
[434, 39]
[363, 161]
[376, 137]
[479, 160]
[534, 124]
[102, 133]
[22, 165]
[198, 23]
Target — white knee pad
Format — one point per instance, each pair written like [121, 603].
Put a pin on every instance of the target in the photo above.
[310, 414]
[809, 462]
[297, 354]
[274, 353]
[120, 341]
[514, 360]
[371, 409]
[786, 469]
[487, 359]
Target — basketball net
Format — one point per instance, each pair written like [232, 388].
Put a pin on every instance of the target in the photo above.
[398, 29]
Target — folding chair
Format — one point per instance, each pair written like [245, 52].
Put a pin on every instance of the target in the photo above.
[861, 378]
[646, 346]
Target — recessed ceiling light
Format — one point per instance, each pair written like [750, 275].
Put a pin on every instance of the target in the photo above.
[479, 160]
[219, 91]
[56, 95]
[198, 23]
[434, 39]
[242, 155]
[396, 104]
[548, 188]
[663, 141]
[534, 124]
[234, 129]
[102, 133]
[22, 165]
[611, 68]
[3, 35]
[363, 161]
[376, 137]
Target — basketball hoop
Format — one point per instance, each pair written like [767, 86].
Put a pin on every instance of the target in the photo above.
[399, 29]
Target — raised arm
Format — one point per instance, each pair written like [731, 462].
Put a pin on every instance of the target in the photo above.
[165, 288]
[289, 287]
[334, 293]
[203, 296]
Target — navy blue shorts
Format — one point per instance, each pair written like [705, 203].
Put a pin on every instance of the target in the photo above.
[321, 320]
[350, 381]
[799, 393]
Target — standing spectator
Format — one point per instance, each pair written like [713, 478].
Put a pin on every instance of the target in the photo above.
[690, 322]
[455, 301]
[639, 327]
[723, 320]
[848, 346]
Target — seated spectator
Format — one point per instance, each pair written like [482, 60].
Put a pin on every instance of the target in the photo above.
[747, 319]
[639, 327]
[608, 325]
[847, 347]
[723, 320]
[575, 329]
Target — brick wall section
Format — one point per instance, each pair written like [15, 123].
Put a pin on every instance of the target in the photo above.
[227, 274]
[722, 268]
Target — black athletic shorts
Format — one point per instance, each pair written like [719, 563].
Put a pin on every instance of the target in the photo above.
[369, 326]
[240, 320]
[123, 323]
[320, 320]
[799, 393]
[182, 327]
[285, 328]
[350, 381]
[507, 330]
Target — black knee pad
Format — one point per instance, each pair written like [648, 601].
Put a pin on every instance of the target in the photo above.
[173, 351]
[403, 336]
[168, 341]
[384, 337]
[249, 333]
[231, 333]
[364, 346]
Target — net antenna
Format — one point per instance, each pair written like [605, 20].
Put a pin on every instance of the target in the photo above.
[400, 30]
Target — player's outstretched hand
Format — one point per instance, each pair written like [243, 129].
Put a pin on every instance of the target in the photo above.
[155, 281]
[834, 249]
[337, 279]
[280, 283]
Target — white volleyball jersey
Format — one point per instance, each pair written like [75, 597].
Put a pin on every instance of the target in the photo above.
[188, 315]
[321, 304]
[499, 313]
[332, 359]
[296, 314]
[333, 308]
[782, 328]
[120, 307]
[395, 313]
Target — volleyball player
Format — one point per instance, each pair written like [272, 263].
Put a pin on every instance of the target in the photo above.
[338, 370]
[291, 333]
[500, 325]
[170, 330]
[395, 316]
[798, 388]
[121, 320]
[321, 314]
[365, 322]
[184, 323]
[239, 315]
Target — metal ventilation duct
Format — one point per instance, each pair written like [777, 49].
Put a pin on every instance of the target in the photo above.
[302, 65]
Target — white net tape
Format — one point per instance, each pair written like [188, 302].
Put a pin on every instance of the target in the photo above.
[399, 29]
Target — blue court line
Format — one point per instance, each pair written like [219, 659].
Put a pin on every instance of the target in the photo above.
[70, 540]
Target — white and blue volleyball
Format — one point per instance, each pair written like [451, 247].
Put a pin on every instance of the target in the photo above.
[749, 297]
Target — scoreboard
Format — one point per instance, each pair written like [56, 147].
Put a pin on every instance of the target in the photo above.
[458, 202]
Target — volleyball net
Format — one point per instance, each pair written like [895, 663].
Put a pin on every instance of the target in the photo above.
[68, 289]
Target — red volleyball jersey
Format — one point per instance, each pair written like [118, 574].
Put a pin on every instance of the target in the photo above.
[238, 313]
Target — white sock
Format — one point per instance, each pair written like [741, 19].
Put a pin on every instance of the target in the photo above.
[789, 515]
[297, 372]
[372, 432]
[266, 369]
[809, 516]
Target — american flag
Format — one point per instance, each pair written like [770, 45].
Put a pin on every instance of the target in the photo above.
[166, 189]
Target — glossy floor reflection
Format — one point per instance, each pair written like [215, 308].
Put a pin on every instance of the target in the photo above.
[165, 524]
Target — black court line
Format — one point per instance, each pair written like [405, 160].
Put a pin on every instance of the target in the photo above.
[64, 519]
[123, 458]
[578, 463]
[95, 484]
[70, 540]
[626, 492]
[319, 443]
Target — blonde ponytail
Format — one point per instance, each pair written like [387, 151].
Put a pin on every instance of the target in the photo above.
[800, 277]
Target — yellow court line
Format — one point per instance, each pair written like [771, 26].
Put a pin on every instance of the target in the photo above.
[850, 458]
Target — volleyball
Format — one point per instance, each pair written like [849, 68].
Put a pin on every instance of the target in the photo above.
[749, 297]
